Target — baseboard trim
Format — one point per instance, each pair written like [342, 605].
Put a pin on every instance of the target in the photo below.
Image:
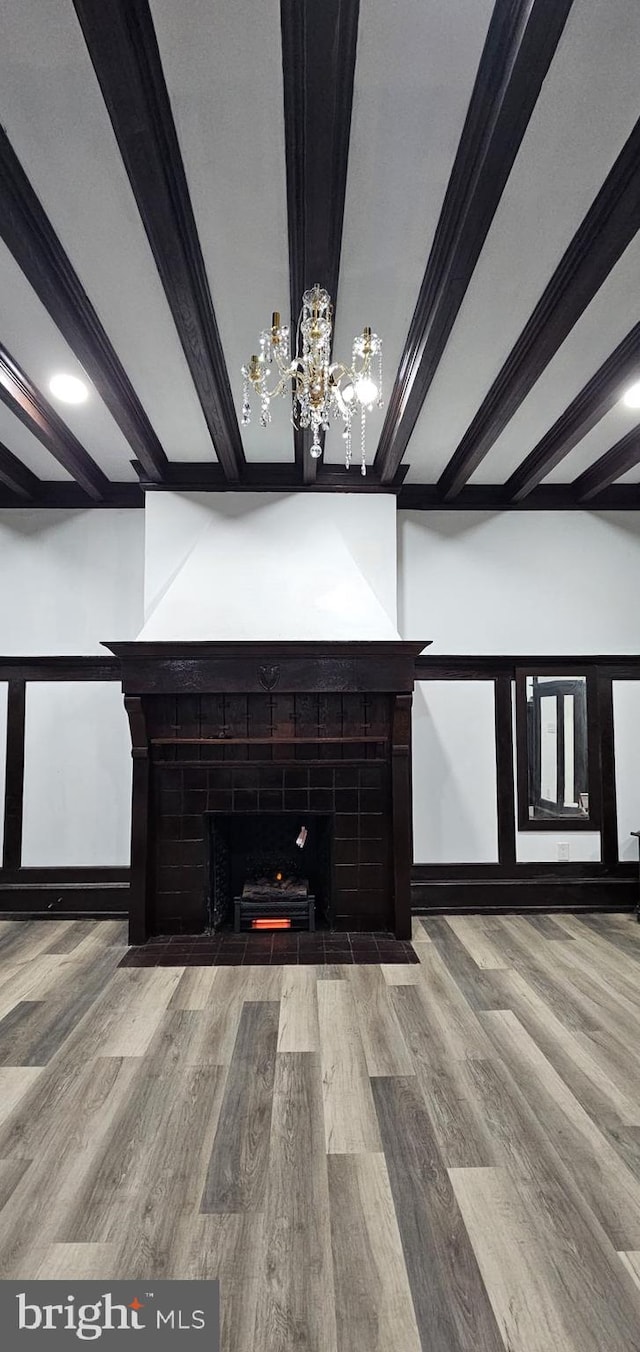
[59, 903]
[64, 915]
[543, 887]
[64, 893]
[614, 909]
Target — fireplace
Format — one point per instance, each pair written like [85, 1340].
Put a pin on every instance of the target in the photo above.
[261, 877]
[227, 737]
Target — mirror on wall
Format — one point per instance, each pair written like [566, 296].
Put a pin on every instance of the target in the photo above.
[552, 738]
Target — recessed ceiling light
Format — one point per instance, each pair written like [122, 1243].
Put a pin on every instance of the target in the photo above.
[69, 389]
[631, 397]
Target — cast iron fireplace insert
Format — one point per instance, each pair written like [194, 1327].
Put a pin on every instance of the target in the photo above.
[249, 849]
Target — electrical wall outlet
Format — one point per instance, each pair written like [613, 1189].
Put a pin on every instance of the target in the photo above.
[563, 851]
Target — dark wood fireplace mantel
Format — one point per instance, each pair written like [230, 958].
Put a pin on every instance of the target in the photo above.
[312, 665]
[261, 726]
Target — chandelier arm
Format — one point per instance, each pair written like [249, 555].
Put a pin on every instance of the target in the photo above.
[363, 369]
[344, 371]
[277, 390]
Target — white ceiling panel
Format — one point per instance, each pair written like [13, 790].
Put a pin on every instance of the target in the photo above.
[587, 108]
[611, 315]
[415, 68]
[39, 348]
[631, 477]
[54, 115]
[224, 75]
[17, 439]
[601, 438]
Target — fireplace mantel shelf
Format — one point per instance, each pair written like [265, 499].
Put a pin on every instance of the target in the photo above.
[178, 648]
[276, 667]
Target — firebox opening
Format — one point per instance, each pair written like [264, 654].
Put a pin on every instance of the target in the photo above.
[256, 860]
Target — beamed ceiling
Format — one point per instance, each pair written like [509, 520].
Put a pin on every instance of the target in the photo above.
[463, 175]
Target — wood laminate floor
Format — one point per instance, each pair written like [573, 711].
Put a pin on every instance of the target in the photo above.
[434, 1158]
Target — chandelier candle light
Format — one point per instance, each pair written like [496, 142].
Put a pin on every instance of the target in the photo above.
[321, 389]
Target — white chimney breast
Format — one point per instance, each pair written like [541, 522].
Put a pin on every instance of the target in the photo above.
[242, 566]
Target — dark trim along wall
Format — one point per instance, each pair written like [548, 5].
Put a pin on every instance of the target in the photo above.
[503, 886]
[507, 885]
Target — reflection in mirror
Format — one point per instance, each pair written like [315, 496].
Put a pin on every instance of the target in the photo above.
[557, 752]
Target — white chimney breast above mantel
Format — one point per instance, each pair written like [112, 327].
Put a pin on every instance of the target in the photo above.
[248, 566]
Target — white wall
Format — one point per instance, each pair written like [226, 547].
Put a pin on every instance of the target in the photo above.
[626, 725]
[69, 580]
[523, 583]
[520, 582]
[318, 566]
[77, 775]
[454, 773]
[541, 847]
[270, 566]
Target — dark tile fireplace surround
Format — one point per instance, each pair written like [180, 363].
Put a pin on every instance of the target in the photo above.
[318, 733]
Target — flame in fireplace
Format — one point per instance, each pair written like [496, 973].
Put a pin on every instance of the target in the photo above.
[278, 877]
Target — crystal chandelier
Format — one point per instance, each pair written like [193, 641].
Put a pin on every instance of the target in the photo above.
[321, 389]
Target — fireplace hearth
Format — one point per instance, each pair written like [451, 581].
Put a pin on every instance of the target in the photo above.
[229, 739]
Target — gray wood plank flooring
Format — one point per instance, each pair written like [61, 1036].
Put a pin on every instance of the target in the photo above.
[436, 1158]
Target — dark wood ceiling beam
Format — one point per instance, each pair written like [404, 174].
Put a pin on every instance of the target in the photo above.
[56, 494]
[194, 476]
[491, 498]
[598, 396]
[596, 247]
[625, 455]
[319, 44]
[521, 41]
[29, 235]
[36, 413]
[16, 477]
[123, 48]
